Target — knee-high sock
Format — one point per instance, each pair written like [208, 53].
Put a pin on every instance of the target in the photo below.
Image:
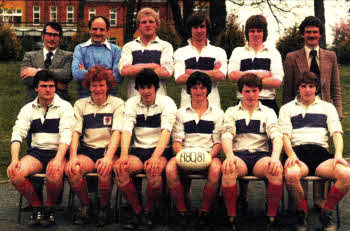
[230, 196]
[177, 193]
[334, 196]
[27, 190]
[81, 190]
[105, 189]
[274, 194]
[153, 194]
[208, 197]
[53, 191]
[130, 194]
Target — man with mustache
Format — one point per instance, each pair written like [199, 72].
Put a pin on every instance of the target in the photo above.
[96, 51]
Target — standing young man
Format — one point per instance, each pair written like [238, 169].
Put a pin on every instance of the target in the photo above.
[307, 121]
[50, 120]
[200, 55]
[147, 51]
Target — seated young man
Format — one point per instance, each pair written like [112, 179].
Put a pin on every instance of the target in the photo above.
[50, 120]
[247, 129]
[307, 122]
[148, 117]
[198, 124]
[98, 123]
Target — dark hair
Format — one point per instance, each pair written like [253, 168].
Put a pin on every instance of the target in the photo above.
[92, 19]
[196, 19]
[196, 78]
[98, 73]
[310, 21]
[256, 21]
[55, 26]
[250, 80]
[146, 77]
[308, 77]
[43, 75]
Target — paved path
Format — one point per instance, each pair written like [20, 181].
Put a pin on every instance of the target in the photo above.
[252, 222]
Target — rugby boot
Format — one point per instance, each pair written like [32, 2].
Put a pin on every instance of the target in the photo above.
[271, 224]
[35, 218]
[301, 224]
[82, 215]
[327, 221]
[49, 217]
[103, 216]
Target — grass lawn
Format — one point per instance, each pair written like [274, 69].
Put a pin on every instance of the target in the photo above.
[12, 92]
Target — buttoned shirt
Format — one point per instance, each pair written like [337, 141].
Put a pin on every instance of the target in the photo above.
[157, 51]
[188, 57]
[253, 132]
[97, 123]
[309, 125]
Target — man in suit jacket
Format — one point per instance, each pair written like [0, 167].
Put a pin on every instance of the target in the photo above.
[50, 57]
[300, 61]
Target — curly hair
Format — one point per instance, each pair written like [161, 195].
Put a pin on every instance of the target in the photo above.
[310, 21]
[99, 73]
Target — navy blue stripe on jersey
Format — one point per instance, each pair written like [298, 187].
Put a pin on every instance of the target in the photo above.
[151, 121]
[203, 126]
[100, 120]
[253, 127]
[49, 126]
[256, 64]
[310, 120]
[147, 56]
[204, 63]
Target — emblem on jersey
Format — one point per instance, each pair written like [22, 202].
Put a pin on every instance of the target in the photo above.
[107, 120]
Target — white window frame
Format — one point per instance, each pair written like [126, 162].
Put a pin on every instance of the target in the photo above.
[70, 10]
[36, 20]
[8, 15]
[92, 12]
[113, 21]
[53, 13]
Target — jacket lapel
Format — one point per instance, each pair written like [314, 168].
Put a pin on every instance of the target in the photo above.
[302, 61]
[39, 59]
[323, 66]
[56, 58]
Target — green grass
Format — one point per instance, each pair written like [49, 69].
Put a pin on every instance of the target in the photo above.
[12, 92]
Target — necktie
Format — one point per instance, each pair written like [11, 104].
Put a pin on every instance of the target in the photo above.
[48, 59]
[314, 68]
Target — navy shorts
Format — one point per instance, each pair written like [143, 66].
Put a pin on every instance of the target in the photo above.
[145, 153]
[94, 153]
[250, 158]
[44, 156]
[312, 155]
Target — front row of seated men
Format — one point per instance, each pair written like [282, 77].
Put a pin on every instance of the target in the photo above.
[147, 122]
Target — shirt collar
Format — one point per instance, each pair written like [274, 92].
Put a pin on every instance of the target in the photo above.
[308, 49]
[156, 40]
[317, 100]
[139, 101]
[242, 108]
[54, 102]
[105, 103]
[89, 43]
[189, 107]
[45, 51]
[265, 48]
[189, 41]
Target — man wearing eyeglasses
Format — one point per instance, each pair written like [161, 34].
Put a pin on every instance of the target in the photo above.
[58, 61]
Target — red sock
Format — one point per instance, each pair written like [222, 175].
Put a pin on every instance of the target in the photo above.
[153, 194]
[177, 193]
[130, 194]
[81, 190]
[334, 196]
[208, 197]
[105, 189]
[27, 190]
[302, 205]
[274, 194]
[230, 196]
[53, 191]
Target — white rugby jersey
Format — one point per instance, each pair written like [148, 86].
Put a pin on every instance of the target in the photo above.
[250, 133]
[47, 129]
[192, 131]
[309, 125]
[97, 123]
[147, 123]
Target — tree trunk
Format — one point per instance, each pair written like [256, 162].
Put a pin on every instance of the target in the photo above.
[129, 24]
[218, 18]
[80, 23]
[319, 13]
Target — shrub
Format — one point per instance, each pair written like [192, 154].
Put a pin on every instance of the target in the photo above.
[82, 35]
[167, 32]
[290, 41]
[10, 46]
[341, 42]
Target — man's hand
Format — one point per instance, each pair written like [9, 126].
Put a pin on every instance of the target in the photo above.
[73, 166]
[13, 168]
[229, 164]
[261, 73]
[81, 66]
[28, 72]
[104, 166]
[292, 160]
[340, 160]
[190, 71]
[274, 167]
[121, 165]
[54, 167]
[152, 166]
[217, 65]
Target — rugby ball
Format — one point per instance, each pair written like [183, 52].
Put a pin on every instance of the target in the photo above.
[193, 159]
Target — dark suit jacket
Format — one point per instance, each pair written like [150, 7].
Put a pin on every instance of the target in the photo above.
[296, 64]
[61, 66]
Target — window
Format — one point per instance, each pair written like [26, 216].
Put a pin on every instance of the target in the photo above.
[70, 14]
[92, 12]
[113, 17]
[53, 13]
[11, 15]
[36, 14]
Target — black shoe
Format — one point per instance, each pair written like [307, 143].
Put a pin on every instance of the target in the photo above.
[272, 225]
[183, 221]
[49, 217]
[134, 222]
[103, 216]
[36, 217]
[82, 215]
[301, 224]
[203, 223]
[327, 221]
[242, 206]
[232, 224]
[147, 221]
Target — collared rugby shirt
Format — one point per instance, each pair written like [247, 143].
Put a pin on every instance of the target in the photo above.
[97, 123]
[48, 128]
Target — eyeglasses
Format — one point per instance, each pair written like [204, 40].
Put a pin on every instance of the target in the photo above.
[55, 35]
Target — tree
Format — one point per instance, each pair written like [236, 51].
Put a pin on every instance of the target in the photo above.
[319, 13]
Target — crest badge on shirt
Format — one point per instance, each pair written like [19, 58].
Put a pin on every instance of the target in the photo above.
[107, 120]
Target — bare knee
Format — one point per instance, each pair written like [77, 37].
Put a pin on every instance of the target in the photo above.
[171, 172]
[342, 174]
[292, 176]
[214, 174]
